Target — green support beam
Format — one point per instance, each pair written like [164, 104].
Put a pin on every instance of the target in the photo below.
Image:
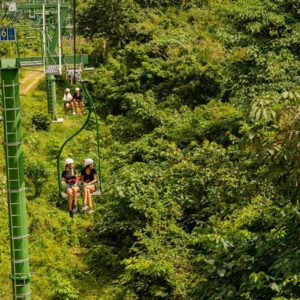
[69, 59]
[32, 61]
[15, 184]
[51, 90]
[63, 15]
[39, 6]
[51, 96]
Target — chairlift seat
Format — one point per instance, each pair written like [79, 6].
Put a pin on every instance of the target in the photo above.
[79, 194]
[53, 70]
[65, 195]
[96, 193]
[91, 106]
[31, 63]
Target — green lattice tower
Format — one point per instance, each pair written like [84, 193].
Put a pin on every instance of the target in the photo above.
[51, 96]
[15, 184]
[51, 46]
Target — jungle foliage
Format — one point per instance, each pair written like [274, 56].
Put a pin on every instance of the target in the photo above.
[201, 187]
[199, 106]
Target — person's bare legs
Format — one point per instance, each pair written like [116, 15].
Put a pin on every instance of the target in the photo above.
[89, 199]
[75, 191]
[76, 106]
[85, 196]
[91, 190]
[88, 195]
[81, 106]
[72, 105]
[70, 194]
[67, 108]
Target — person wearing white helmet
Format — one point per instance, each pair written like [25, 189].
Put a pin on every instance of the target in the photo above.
[78, 98]
[89, 179]
[68, 101]
[70, 179]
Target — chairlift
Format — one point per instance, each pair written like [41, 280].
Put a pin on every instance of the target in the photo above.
[73, 74]
[80, 193]
[50, 66]
[91, 108]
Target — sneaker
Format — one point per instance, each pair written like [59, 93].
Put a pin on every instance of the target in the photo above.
[91, 211]
[67, 117]
[84, 207]
[73, 113]
[74, 210]
[71, 214]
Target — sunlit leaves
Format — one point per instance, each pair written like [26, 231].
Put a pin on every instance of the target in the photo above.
[276, 132]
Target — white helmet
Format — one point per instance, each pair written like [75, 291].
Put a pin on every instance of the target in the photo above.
[69, 161]
[77, 89]
[88, 161]
[68, 90]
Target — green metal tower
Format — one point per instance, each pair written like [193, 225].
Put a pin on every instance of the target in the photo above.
[51, 96]
[48, 19]
[15, 182]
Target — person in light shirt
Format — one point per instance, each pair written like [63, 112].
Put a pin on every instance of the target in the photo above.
[68, 101]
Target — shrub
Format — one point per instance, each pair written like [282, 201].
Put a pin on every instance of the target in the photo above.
[62, 288]
[41, 122]
[37, 174]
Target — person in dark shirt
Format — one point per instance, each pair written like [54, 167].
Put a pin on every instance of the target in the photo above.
[89, 180]
[70, 179]
[78, 98]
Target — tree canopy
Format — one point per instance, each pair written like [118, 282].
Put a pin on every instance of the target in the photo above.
[199, 109]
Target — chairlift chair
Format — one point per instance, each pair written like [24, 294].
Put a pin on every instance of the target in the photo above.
[91, 107]
[80, 193]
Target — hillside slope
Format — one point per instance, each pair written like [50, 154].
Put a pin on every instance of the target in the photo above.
[58, 263]
[199, 105]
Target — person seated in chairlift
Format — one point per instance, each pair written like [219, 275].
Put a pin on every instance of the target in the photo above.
[70, 179]
[78, 98]
[89, 180]
[68, 100]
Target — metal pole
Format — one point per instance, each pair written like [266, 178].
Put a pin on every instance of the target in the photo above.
[59, 35]
[74, 33]
[68, 139]
[17, 44]
[44, 37]
[98, 136]
[50, 79]
[15, 184]
[36, 16]
[51, 96]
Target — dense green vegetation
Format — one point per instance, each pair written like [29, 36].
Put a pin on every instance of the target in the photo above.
[199, 106]
[204, 157]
